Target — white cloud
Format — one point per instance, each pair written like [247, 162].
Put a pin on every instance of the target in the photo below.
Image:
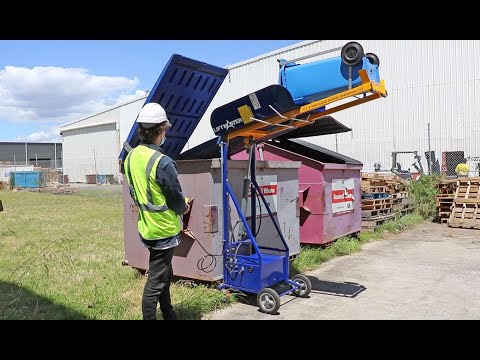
[127, 97]
[49, 135]
[59, 94]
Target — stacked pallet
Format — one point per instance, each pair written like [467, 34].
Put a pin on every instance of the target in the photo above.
[383, 196]
[444, 200]
[55, 189]
[466, 204]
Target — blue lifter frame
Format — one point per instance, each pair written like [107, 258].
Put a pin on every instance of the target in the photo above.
[264, 115]
[257, 272]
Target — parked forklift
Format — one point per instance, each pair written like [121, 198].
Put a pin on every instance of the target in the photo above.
[406, 173]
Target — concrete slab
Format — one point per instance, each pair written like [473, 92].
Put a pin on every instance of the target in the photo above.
[430, 272]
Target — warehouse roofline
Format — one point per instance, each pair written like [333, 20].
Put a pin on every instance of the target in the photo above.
[30, 142]
[63, 127]
[271, 53]
[71, 125]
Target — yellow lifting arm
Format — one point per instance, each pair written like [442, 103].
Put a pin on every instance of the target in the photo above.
[258, 129]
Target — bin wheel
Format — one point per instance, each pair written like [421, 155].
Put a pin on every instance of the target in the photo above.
[374, 60]
[352, 53]
[268, 301]
[305, 285]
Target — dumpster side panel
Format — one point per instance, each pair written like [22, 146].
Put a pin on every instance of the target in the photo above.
[136, 255]
[318, 222]
[202, 232]
[284, 207]
[342, 223]
[201, 181]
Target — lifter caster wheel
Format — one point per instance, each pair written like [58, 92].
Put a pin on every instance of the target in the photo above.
[352, 53]
[305, 285]
[268, 301]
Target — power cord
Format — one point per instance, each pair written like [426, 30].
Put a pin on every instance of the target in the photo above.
[201, 262]
[261, 215]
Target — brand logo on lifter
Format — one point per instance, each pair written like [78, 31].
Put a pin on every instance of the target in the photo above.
[228, 125]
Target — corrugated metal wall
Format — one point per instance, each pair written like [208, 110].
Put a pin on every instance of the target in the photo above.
[128, 115]
[36, 154]
[90, 150]
[105, 133]
[429, 81]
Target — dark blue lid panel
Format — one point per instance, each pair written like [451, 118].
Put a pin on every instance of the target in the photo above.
[184, 89]
[211, 150]
[226, 118]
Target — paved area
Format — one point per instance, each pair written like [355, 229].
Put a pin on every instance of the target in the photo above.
[430, 272]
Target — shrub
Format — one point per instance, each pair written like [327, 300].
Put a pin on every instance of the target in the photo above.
[423, 192]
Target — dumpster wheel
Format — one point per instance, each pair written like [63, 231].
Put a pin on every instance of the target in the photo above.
[305, 285]
[268, 301]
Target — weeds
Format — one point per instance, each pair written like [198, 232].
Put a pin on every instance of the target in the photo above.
[424, 191]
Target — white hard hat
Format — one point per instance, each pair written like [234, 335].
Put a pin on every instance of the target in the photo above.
[153, 113]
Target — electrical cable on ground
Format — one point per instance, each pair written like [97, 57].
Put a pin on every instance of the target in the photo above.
[201, 262]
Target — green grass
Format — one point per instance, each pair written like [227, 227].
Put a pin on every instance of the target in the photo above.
[311, 257]
[61, 258]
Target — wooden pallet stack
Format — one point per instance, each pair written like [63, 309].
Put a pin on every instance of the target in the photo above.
[54, 189]
[383, 196]
[444, 199]
[466, 204]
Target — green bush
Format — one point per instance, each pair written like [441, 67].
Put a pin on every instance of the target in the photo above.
[424, 191]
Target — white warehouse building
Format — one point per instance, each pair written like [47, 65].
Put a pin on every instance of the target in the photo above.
[94, 143]
[433, 104]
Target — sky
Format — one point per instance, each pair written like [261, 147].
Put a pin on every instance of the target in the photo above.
[48, 83]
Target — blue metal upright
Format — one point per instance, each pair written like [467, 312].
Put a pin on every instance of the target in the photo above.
[306, 95]
[247, 267]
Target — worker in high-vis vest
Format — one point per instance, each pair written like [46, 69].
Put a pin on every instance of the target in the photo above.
[153, 180]
[462, 169]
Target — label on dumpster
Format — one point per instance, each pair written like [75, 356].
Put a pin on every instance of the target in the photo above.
[269, 188]
[342, 196]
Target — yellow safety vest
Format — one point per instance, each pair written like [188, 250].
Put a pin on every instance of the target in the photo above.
[155, 220]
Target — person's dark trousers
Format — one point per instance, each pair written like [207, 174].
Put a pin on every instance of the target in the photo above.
[157, 287]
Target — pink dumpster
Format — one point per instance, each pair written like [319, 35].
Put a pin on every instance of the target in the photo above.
[329, 189]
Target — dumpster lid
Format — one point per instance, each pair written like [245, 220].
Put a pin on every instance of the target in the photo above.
[184, 89]
[207, 150]
[326, 125]
[314, 152]
[210, 150]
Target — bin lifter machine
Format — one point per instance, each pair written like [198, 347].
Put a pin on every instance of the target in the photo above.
[306, 93]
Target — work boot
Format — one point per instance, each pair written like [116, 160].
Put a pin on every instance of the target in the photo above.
[170, 315]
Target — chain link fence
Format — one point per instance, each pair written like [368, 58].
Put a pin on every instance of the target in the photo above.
[447, 164]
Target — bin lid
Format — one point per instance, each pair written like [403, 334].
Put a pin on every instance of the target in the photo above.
[314, 152]
[324, 126]
[184, 89]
